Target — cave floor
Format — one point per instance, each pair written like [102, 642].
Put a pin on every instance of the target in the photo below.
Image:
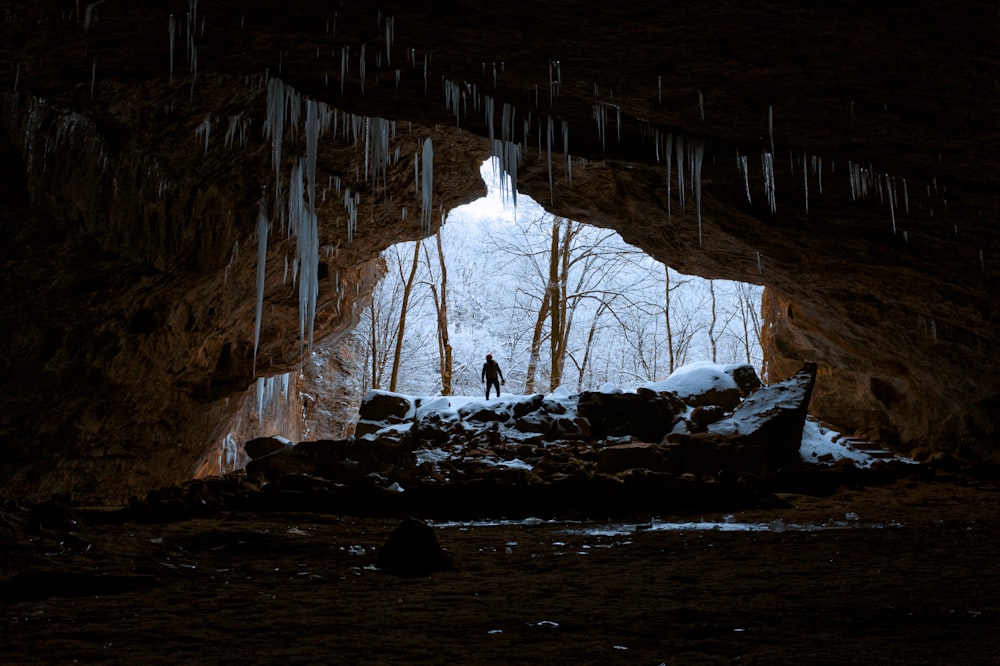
[900, 573]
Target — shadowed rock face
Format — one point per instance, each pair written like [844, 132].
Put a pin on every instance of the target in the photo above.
[127, 319]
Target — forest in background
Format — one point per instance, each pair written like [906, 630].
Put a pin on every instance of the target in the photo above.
[555, 301]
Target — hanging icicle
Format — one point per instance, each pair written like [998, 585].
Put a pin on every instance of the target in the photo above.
[548, 152]
[569, 158]
[261, 260]
[699, 154]
[427, 182]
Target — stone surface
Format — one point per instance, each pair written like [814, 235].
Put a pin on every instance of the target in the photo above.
[129, 262]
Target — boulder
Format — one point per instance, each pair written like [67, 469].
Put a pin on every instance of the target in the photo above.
[385, 406]
[380, 409]
[265, 446]
[700, 384]
[745, 377]
[646, 417]
[702, 417]
[763, 434]
[412, 549]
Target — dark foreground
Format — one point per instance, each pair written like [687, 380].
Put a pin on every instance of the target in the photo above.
[904, 573]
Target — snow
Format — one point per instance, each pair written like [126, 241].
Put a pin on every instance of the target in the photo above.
[695, 379]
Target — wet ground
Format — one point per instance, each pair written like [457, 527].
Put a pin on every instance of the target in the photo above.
[902, 573]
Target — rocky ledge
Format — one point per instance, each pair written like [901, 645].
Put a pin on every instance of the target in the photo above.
[711, 439]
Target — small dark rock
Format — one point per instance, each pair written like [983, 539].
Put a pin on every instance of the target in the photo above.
[412, 549]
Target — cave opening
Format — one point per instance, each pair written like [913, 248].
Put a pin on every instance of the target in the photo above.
[631, 320]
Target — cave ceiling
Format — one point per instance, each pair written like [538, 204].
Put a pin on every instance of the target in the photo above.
[843, 155]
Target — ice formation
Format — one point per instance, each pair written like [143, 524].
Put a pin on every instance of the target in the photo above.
[261, 261]
[427, 184]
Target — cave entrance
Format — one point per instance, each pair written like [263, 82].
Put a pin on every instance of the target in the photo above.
[615, 316]
[623, 319]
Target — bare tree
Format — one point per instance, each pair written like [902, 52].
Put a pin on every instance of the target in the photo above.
[439, 294]
[403, 310]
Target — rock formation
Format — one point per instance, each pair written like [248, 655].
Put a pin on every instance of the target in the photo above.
[845, 157]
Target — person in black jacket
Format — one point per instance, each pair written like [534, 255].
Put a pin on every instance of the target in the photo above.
[492, 376]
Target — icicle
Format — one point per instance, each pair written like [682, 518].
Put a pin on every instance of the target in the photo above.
[759, 271]
[172, 31]
[744, 167]
[659, 89]
[680, 169]
[203, 130]
[701, 105]
[93, 78]
[260, 400]
[770, 126]
[234, 124]
[274, 125]
[343, 66]
[390, 31]
[805, 180]
[699, 154]
[312, 148]
[548, 151]
[767, 162]
[361, 69]
[667, 156]
[892, 206]
[261, 260]
[427, 182]
[569, 158]
[88, 14]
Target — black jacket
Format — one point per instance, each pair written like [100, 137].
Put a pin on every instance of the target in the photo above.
[491, 369]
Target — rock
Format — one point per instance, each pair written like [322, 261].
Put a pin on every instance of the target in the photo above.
[527, 405]
[385, 406]
[702, 417]
[702, 384]
[762, 435]
[380, 409]
[264, 446]
[745, 377]
[773, 416]
[646, 417]
[412, 549]
[639, 455]
[348, 461]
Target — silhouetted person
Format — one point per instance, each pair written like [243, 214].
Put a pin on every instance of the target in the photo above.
[492, 375]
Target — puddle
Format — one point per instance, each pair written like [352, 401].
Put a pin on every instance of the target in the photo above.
[728, 524]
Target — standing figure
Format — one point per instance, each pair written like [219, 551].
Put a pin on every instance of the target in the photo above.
[492, 375]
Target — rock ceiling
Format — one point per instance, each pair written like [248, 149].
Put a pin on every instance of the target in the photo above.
[844, 156]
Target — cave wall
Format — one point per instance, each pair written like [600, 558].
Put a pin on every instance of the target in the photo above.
[128, 310]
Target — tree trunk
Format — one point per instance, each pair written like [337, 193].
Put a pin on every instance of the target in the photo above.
[712, 321]
[555, 308]
[666, 315]
[536, 345]
[407, 289]
[374, 348]
[444, 343]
